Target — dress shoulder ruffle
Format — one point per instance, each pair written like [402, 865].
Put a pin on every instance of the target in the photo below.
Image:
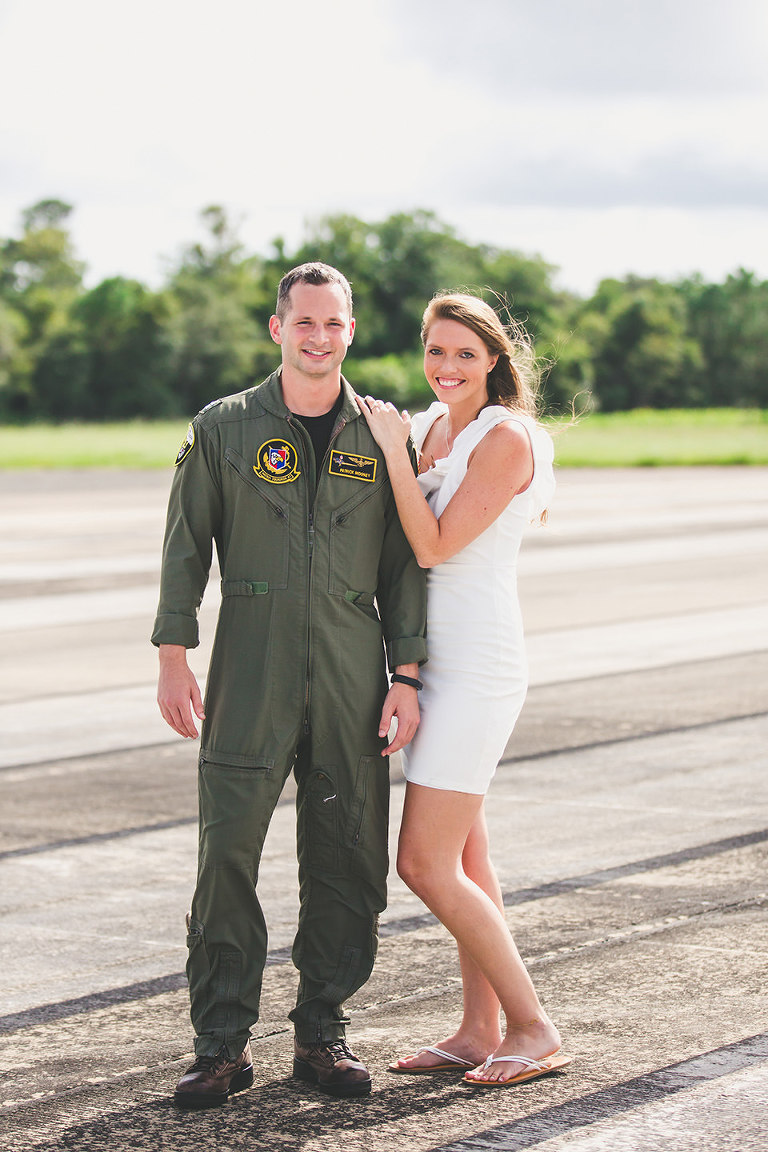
[542, 487]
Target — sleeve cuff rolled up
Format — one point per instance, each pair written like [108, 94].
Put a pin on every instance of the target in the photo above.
[173, 628]
[406, 650]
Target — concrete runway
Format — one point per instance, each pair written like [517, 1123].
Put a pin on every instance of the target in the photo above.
[628, 822]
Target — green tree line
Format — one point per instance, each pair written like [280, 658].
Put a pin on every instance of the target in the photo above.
[121, 350]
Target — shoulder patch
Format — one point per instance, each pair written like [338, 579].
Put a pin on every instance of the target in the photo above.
[186, 446]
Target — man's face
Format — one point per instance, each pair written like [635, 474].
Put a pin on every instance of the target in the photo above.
[316, 331]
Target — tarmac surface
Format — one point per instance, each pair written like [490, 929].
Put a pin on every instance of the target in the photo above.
[628, 821]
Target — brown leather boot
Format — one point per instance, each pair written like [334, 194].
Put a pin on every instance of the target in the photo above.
[211, 1080]
[332, 1067]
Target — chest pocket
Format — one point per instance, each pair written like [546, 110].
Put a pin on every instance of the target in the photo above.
[258, 531]
[356, 537]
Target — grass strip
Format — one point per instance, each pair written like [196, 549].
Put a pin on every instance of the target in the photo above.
[642, 438]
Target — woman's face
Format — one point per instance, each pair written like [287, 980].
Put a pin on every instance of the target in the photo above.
[457, 363]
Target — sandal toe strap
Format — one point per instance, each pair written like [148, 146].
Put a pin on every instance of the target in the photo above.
[537, 1064]
[445, 1055]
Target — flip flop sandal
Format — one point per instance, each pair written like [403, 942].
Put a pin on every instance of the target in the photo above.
[531, 1069]
[448, 1063]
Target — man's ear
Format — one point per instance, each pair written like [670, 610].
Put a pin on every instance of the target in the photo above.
[274, 329]
[351, 331]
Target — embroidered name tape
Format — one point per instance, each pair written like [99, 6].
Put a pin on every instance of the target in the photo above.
[354, 466]
[277, 462]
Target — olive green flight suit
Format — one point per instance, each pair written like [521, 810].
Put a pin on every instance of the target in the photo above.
[314, 576]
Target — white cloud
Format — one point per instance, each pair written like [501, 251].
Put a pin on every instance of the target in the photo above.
[594, 244]
[560, 127]
[639, 153]
[597, 47]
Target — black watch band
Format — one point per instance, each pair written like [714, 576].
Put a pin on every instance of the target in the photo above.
[409, 680]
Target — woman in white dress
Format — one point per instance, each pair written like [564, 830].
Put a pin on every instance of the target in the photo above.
[485, 471]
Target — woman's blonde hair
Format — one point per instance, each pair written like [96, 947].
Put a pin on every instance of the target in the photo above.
[513, 381]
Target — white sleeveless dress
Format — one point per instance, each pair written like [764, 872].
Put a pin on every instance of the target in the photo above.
[476, 677]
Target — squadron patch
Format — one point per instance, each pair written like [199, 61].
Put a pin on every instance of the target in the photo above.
[186, 446]
[354, 466]
[277, 462]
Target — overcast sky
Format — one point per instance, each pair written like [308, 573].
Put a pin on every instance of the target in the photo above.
[608, 136]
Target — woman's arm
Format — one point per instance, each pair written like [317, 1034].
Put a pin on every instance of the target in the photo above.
[495, 474]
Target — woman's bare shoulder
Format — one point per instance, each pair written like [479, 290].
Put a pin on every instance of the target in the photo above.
[507, 438]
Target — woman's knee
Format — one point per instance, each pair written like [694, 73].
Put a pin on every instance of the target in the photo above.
[410, 866]
[421, 870]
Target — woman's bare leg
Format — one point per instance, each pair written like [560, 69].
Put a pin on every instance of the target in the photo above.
[480, 1030]
[434, 834]
[481, 1004]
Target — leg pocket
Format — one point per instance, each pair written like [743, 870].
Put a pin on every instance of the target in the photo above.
[319, 825]
[198, 972]
[343, 819]
[365, 838]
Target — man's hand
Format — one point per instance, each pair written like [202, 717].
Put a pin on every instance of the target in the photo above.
[401, 704]
[178, 694]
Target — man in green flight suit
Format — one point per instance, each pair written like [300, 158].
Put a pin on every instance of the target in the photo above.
[317, 579]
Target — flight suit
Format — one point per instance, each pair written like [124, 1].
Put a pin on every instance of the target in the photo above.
[317, 580]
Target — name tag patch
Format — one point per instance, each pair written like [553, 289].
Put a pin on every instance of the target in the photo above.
[354, 466]
[277, 462]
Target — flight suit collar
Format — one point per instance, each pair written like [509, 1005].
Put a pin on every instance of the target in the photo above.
[271, 397]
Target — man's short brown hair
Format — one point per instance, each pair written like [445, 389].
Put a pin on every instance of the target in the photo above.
[313, 273]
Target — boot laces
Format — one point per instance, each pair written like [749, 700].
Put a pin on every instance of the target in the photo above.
[209, 1063]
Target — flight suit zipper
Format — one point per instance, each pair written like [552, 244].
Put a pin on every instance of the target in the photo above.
[310, 551]
[308, 461]
[309, 457]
